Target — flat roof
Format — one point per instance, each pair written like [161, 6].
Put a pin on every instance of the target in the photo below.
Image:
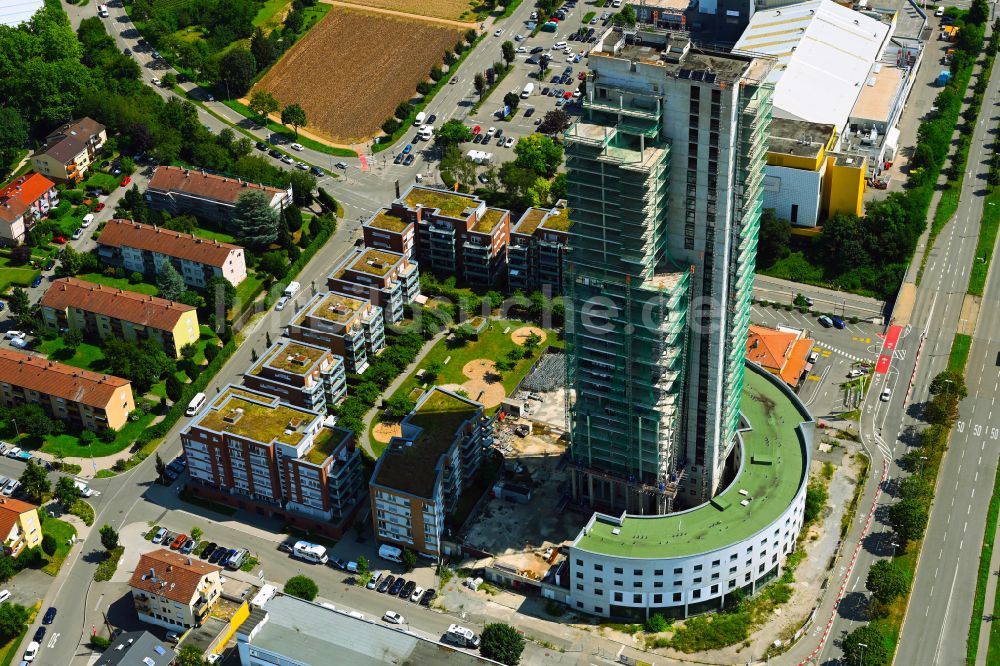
[310, 633]
[878, 94]
[325, 443]
[490, 219]
[410, 465]
[290, 356]
[334, 307]
[529, 221]
[824, 51]
[256, 416]
[386, 220]
[774, 468]
[448, 203]
[799, 137]
[376, 262]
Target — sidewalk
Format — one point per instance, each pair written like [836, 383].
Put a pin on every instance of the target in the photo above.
[990, 603]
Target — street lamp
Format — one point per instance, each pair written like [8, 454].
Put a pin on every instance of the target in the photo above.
[16, 429]
[861, 657]
[920, 468]
[894, 546]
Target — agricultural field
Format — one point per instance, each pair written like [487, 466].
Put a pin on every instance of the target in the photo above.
[456, 10]
[352, 69]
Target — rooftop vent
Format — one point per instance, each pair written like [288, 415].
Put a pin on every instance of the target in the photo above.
[616, 531]
[294, 424]
[233, 416]
[298, 359]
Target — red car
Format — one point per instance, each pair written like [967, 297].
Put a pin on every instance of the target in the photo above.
[582, 76]
[178, 542]
[59, 239]
[126, 180]
[567, 94]
[477, 129]
[99, 207]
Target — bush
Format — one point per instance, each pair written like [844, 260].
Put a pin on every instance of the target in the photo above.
[656, 624]
[326, 200]
[100, 643]
[390, 125]
[424, 88]
[83, 511]
[501, 642]
[302, 587]
[106, 569]
[49, 545]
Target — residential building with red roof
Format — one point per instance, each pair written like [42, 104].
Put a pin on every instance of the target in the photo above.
[70, 150]
[177, 191]
[144, 248]
[24, 201]
[82, 398]
[19, 526]
[99, 311]
[174, 591]
[783, 352]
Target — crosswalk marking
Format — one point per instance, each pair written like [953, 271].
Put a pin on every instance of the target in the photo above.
[833, 349]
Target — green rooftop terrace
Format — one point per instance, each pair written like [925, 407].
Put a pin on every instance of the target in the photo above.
[387, 221]
[375, 262]
[324, 444]
[530, 221]
[411, 469]
[450, 204]
[774, 468]
[558, 222]
[490, 219]
[334, 307]
[293, 357]
[241, 413]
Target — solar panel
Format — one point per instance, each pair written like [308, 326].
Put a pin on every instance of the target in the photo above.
[709, 77]
[159, 650]
[684, 74]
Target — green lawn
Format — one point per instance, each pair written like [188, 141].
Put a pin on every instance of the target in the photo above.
[61, 531]
[588, 16]
[102, 180]
[120, 283]
[9, 651]
[979, 601]
[11, 276]
[247, 291]
[214, 235]
[797, 268]
[959, 355]
[86, 356]
[69, 445]
[984, 247]
[268, 12]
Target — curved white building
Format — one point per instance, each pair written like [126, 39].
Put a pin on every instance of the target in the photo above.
[631, 566]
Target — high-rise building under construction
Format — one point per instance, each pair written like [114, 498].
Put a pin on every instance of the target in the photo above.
[665, 172]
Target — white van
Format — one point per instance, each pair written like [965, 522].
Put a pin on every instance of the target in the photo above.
[391, 553]
[87, 219]
[102, 11]
[419, 120]
[426, 132]
[196, 403]
[292, 289]
[461, 636]
[559, 46]
[373, 582]
[310, 552]
[528, 89]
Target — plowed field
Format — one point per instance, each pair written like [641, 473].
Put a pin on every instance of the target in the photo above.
[352, 69]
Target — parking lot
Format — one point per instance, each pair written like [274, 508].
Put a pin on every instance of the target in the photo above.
[839, 350]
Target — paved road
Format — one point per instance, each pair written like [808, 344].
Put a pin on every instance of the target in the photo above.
[937, 622]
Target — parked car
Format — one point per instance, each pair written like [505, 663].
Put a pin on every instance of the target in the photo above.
[31, 651]
[61, 240]
[39, 634]
[274, 152]
[14, 333]
[188, 547]
[431, 118]
[399, 158]
[386, 583]
[407, 589]
[11, 487]
[220, 551]
[297, 146]
[407, 149]
[282, 302]
[428, 597]
[286, 547]
[160, 535]
[126, 180]
[302, 165]
[287, 159]
[418, 592]
[397, 586]
[338, 563]
[825, 321]
[261, 146]
[477, 138]
[392, 617]
[37, 281]
[838, 322]
[78, 234]
[208, 550]
[409, 160]
[179, 541]
[50, 615]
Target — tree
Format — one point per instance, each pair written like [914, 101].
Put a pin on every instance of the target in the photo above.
[479, 81]
[294, 21]
[161, 467]
[8, 569]
[625, 17]
[31, 420]
[34, 482]
[197, 533]
[13, 618]
[236, 71]
[175, 389]
[363, 565]
[263, 104]
[67, 492]
[507, 51]
[218, 288]
[274, 263]
[409, 559]
[979, 12]
[13, 134]
[872, 654]
[169, 282]
[949, 383]
[511, 100]
[302, 587]
[19, 302]
[109, 537]
[262, 49]
[294, 115]
[49, 545]
[190, 655]
[816, 495]
[554, 121]
[453, 132]
[538, 153]
[501, 642]
[72, 338]
[908, 518]
[886, 582]
[303, 184]
[254, 221]
[400, 405]
[773, 239]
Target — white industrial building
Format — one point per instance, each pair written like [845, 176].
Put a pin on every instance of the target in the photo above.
[16, 12]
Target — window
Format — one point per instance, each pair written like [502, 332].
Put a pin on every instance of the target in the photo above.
[677, 596]
[619, 570]
[618, 596]
[760, 569]
[715, 563]
[598, 609]
[658, 572]
[598, 567]
[657, 598]
[732, 584]
[697, 567]
[657, 585]
[637, 598]
[618, 583]
[579, 604]
[637, 584]
[697, 594]
[732, 569]
[747, 577]
[599, 592]
[579, 563]
[715, 589]
[732, 558]
[598, 579]
[637, 572]
[715, 576]
[579, 574]
[697, 580]
[678, 571]
[579, 587]
[677, 583]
